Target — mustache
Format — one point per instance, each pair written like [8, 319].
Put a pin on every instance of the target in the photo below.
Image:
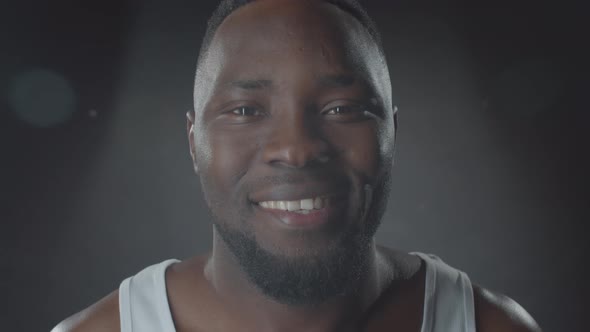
[294, 177]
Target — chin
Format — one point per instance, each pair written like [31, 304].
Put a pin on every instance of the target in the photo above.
[301, 275]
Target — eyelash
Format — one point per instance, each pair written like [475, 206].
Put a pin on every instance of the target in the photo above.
[355, 107]
[243, 108]
[335, 108]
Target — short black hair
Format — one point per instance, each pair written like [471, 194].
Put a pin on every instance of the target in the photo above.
[226, 7]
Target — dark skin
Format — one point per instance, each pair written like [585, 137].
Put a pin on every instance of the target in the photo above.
[311, 86]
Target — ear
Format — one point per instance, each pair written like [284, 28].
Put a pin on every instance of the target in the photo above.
[394, 132]
[394, 123]
[190, 131]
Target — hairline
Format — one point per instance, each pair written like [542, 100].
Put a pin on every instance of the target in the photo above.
[221, 12]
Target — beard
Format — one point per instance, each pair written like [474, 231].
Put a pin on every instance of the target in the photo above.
[306, 279]
[313, 277]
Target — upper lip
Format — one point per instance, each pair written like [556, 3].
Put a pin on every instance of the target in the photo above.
[291, 192]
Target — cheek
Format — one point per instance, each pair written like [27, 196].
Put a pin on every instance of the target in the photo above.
[361, 148]
[224, 165]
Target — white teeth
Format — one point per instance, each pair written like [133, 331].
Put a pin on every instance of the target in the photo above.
[318, 203]
[307, 204]
[304, 205]
[281, 205]
[293, 205]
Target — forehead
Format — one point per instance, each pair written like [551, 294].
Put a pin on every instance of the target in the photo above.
[280, 25]
[266, 39]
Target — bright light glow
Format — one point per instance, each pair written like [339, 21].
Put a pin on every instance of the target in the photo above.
[42, 98]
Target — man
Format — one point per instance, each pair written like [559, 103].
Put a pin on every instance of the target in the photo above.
[292, 137]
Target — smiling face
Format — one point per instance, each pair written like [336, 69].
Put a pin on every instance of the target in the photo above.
[292, 108]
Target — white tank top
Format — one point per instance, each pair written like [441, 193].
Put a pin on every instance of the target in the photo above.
[448, 299]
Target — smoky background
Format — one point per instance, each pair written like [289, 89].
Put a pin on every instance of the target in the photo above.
[96, 183]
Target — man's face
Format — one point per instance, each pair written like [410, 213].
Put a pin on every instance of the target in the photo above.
[293, 102]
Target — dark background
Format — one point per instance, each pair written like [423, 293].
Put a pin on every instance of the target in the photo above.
[96, 181]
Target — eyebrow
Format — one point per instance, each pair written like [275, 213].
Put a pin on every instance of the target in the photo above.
[337, 81]
[330, 81]
[250, 84]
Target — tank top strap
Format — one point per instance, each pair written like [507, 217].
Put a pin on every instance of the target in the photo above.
[143, 301]
[448, 298]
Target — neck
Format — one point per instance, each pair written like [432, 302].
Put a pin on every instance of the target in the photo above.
[262, 313]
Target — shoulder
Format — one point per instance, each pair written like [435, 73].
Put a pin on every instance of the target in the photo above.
[499, 313]
[102, 316]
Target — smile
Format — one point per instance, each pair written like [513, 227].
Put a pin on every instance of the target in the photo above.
[304, 213]
[303, 206]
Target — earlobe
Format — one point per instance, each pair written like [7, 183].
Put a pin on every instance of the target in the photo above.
[190, 129]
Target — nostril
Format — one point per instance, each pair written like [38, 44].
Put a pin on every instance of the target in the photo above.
[296, 146]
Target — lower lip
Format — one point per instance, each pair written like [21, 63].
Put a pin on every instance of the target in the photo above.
[314, 218]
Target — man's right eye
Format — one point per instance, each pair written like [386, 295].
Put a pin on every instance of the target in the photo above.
[245, 111]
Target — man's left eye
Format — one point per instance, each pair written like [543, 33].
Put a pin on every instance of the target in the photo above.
[343, 110]
[349, 112]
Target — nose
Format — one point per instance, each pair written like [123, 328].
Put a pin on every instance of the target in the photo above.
[296, 142]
